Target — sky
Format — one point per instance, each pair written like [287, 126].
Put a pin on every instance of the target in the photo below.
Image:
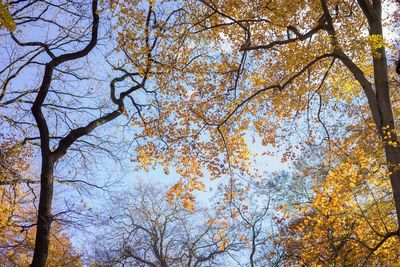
[103, 168]
[265, 163]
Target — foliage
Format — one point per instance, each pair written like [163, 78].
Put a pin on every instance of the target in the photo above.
[6, 20]
[197, 80]
[348, 217]
[18, 213]
[263, 75]
[289, 72]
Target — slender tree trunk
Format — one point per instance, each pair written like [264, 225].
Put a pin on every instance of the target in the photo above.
[50, 158]
[253, 246]
[44, 213]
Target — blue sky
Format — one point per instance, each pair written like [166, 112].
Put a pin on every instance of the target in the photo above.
[102, 168]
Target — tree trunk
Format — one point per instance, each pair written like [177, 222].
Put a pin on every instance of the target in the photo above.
[381, 79]
[253, 246]
[393, 161]
[50, 158]
[44, 213]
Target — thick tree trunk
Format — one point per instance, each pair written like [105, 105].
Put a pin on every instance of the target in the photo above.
[44, 213]
[381, 80]
[50, 158]
[393, 161]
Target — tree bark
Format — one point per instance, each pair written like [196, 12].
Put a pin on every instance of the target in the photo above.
[393, 161]
[44, 214]
[381, 80]
[49, 158]
[378, 94]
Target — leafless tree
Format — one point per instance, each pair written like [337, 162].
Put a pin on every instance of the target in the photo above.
[254, 212]
[143, 229]
[52, 73]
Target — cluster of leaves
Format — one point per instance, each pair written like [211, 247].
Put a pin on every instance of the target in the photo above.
[18, 214]
[262, 76]
[206, 76]
[347, 216]
[272, 69]
[6, 20]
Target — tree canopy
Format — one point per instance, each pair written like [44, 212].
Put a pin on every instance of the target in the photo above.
[195, 89]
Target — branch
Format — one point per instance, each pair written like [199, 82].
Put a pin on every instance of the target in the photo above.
[43, 45]
[73, 135]
[351, 66]
[276, 86]
[387, 236]
[365, 84]
[299, 37]
[47, 78]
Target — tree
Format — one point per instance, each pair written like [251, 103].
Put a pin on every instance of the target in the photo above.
[6, 20]
[348, 218]
[272, 68]
[17, 218]
[49, 76]
[18, 214]
[218, 71]
[142, 229]
[251, 207]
